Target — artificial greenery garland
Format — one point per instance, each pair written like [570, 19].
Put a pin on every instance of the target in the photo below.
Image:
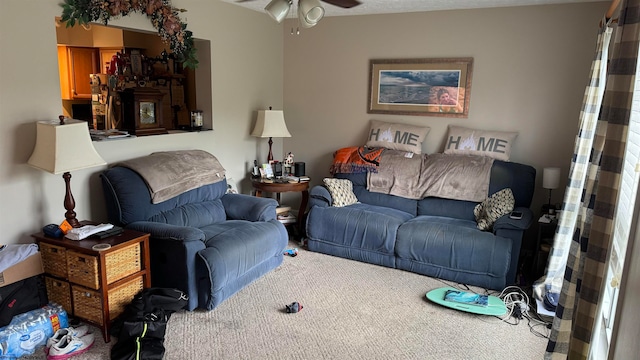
[164, 18]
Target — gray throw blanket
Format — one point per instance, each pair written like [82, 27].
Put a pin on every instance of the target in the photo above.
[459, 177]
[171, 173]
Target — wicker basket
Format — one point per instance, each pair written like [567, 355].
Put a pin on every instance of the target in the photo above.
[59, 292]
[83, 269]
[54, 259]
[87, 303]
[123, 262]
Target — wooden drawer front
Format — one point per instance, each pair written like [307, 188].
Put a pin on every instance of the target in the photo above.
[54, 259]
[59, 292]
[123, 262]
[83, 269]
[87, 304]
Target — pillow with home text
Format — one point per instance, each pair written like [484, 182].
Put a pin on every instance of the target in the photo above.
[394, 136]
[466, 141]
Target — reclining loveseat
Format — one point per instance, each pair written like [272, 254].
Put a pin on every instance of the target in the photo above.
[433, 236]
[204, 241]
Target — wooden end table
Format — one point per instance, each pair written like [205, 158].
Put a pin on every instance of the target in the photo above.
[272, 186]
[106, 292]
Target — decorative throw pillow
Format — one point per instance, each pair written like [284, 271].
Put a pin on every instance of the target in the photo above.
[490, 210]
[494, 144]
[393, 136]
[341, 191]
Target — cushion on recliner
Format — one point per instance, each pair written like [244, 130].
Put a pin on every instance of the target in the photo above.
[193, 215]
[454, 250]
[359, 225]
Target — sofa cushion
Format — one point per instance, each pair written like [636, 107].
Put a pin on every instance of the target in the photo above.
[359, 226]
[193, 215]
[403, 137]
[128, 198]
[359, 182]
[490, 210]
[454, 250]
[341, 191]
[466, 141]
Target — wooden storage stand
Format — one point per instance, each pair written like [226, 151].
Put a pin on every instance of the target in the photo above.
[96, 285]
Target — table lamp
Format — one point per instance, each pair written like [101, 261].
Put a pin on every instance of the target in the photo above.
[550, 181]
[270, 124]
[61, 147]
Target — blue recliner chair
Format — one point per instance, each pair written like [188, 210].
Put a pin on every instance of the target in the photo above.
[204, 242]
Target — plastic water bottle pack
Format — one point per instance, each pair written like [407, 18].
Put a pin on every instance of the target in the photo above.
[28, 331]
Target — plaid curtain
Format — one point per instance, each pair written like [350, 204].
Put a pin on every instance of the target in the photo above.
[573, 207]
[586, 263]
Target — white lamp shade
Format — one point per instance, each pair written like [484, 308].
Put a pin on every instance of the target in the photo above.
[64, 148]
[551, 178]
[310, 12]
[270, 123]
[278, 9]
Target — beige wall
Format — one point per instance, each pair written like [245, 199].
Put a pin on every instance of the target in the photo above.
[530, 70]
[246, 55]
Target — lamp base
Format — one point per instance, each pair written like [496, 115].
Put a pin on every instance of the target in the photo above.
[548, 209]
[69, 202]
[270, 156]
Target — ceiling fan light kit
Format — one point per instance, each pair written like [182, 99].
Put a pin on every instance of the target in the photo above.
[310, 12]
[278, 9]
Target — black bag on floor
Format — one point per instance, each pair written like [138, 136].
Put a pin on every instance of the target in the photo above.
[140, 329]
[20, 297]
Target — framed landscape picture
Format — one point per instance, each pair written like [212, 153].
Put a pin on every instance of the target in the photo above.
[425, 87]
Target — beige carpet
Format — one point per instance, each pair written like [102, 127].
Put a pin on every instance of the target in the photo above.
[352, 310]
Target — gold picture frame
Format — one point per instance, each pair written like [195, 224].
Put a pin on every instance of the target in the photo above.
[422, 87]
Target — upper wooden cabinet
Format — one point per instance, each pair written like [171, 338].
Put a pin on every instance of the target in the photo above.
[76, 64]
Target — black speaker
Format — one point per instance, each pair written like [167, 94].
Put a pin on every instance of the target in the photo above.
[298, 169]
[277, 169]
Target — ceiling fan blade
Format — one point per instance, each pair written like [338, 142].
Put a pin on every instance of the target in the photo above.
[343, 3]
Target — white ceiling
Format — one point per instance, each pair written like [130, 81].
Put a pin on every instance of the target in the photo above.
[402, 6]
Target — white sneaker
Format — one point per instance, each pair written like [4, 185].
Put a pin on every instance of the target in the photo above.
[79, 331]
[70, 346]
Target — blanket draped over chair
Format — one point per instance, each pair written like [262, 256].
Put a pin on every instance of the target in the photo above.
[171, 173]
[459, 177]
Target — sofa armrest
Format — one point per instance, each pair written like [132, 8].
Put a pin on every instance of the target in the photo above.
[173, 254]
[247, 207]
[168, 231]
[320, 196]
[507, 223]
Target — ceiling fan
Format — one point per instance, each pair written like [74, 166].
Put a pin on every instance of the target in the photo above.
[309, 11]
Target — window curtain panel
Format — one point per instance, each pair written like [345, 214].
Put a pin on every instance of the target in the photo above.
[573, 207]
[586, 262]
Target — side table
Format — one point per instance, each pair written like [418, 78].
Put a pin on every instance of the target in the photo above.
[546, 233]
[271, 186]
[96, 285]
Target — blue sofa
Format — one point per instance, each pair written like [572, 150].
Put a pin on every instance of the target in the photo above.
[431, 236]
[204, 242]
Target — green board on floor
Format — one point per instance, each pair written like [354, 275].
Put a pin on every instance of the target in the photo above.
[495, 306]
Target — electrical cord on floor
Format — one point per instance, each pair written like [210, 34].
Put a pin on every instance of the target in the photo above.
[518, 307]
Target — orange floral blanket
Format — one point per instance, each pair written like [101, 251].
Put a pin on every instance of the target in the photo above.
[356, 159]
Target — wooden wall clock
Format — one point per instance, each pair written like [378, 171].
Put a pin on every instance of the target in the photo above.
[142, 111]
